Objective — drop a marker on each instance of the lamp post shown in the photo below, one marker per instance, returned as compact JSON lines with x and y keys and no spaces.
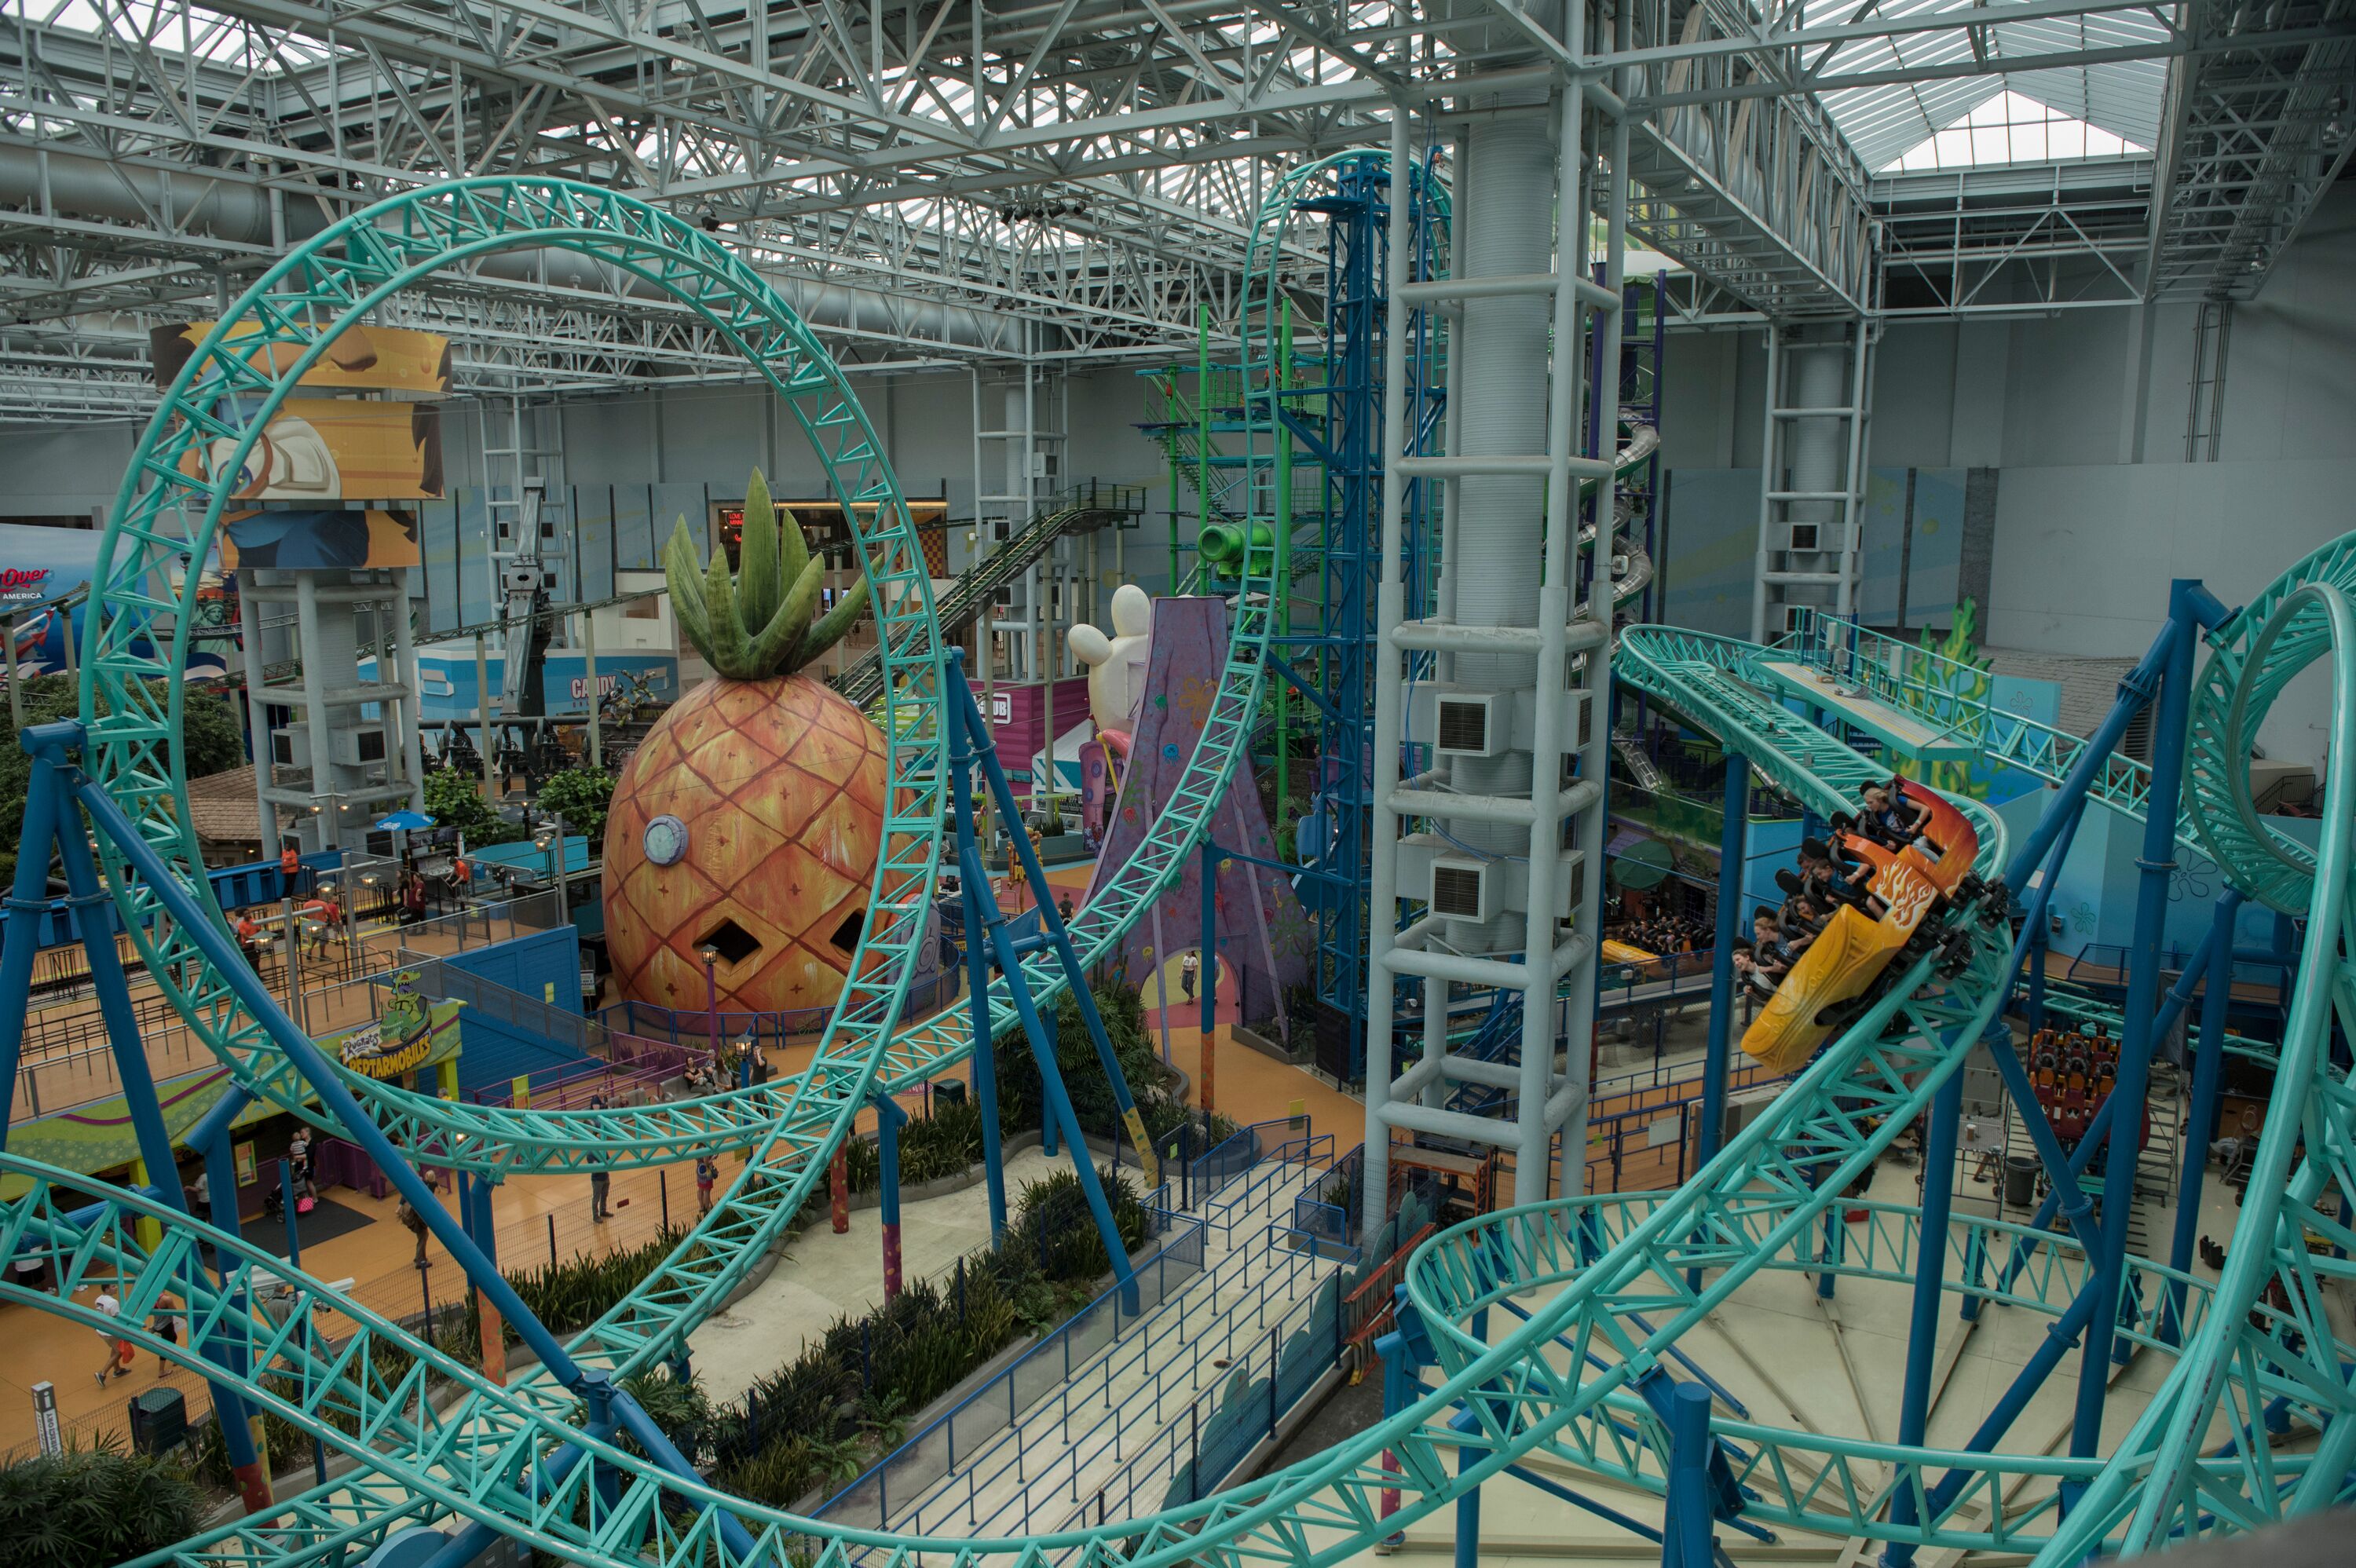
{"x":711,"y":1002}
{"x":550,"y":839}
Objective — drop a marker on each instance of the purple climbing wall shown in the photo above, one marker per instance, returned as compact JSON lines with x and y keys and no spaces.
{"x":1263,"y":933}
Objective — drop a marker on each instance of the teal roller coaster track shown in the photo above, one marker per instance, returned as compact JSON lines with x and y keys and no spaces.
{"x":1573,"y":1375}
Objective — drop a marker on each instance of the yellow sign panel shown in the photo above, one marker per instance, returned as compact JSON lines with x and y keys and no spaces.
{"x":362,"y":358}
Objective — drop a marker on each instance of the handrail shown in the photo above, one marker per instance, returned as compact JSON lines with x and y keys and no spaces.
{"x":1107,"y":1432}
{"x":1910,"y":678}
{"x":863,"y":681}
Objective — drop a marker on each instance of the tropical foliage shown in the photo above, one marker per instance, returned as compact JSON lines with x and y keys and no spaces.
{"x":211,"y":737}
{"x":93,"y":1505}
{"x":455,"y":799}
{"x":580,"y":796}
{"x":819,"y":1421}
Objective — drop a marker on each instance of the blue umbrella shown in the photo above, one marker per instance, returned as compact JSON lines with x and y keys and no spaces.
{"x":406,"y":821}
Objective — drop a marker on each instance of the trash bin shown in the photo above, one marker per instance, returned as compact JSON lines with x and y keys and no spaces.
{"x":949,"y":1091}
{"x":2019,"y":1181}
{"x":160,"y":1420}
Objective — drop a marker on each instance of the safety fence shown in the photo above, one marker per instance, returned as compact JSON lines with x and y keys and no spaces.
{"x":1044,"y":1460}
{"x":1223,"y":1182}
{"x":1329,"y":1221}
{"x":1189,"y":1455}
{"x":935,"y":1448}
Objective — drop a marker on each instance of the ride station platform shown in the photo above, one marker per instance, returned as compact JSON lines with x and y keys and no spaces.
{"x":1902,"y":732}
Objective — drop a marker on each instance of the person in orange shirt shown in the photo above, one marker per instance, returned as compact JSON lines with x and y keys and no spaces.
{"x":249,"y":937}
{"x":294,"y":876}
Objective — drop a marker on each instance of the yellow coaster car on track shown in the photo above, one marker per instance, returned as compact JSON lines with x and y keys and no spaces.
{"x":1837,"y":979}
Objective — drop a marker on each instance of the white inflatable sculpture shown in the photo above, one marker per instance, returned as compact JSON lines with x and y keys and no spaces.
{"x":1116,"y":664}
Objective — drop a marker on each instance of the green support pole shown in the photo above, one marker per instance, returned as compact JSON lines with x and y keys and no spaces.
{"x":1202,"y":424}
{"x":1280,"y":379}
{"x":1172,"y":408}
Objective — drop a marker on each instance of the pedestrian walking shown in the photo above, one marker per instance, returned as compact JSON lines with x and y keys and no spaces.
{"x":1188,"y":968}
{"x":414,"y":1223}
{"x":164,"y":1324}
{"x":118,"y":1349}
{"x":707,"y":1174}
{"x":298,"y":1162}
{"x":600,"y":1186}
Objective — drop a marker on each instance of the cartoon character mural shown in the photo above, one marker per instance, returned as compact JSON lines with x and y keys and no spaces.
{"x":329,"y":450}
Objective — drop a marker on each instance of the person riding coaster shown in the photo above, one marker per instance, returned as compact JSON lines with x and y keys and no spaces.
{"x":1917,"y":888}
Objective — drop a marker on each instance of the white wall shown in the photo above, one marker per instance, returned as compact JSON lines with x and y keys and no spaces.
{"x":2096,"y":507}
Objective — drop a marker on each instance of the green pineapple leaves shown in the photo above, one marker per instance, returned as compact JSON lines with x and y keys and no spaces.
{"x":759,"y":584}
{"x":756,"y":621}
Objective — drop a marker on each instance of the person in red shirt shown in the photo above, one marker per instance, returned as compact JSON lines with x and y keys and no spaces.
{"x":329,"y":916}
{"x":249,"y":937}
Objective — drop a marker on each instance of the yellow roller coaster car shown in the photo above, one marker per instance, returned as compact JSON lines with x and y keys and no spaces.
{"x":1837,"y":978}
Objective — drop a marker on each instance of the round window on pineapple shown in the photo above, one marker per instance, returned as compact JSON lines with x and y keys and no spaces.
{"x":666,"y":840}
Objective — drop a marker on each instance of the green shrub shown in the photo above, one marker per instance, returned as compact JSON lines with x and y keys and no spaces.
{"x":94,"y":1505}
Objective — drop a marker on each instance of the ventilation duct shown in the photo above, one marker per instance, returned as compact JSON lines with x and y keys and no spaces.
{"x":83,"y":187}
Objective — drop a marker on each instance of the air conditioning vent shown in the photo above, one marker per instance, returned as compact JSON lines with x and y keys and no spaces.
{"x":371,"y":745}
{"x":282,"y":748}
{"x":1465,"y":726}
{"x":1459,"y":889}
{"x":1791,"y":616}
{"x":1803,"y":537}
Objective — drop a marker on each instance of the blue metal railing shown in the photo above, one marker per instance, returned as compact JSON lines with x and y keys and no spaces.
{"x":1193,"y":1452}
{"x":1257,"y":1276}
{"x":935,"y":1449}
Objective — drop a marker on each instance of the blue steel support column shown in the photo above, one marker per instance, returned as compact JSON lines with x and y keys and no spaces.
{"x":2128,"y":1098}
{"x":1209,"y":977}
{"x":977,"y":962}
{"x":888,"y":1117}
{"x":1930,"y":1279}
{"x":1733,"y":853}
{"x":475,"y":1214}
{"x":2098,"y":1130}
{"x":971,"y":872}
{"x":1468,"y":1501}
{"x":1053,"y":934}
{"x":2040,"y":942}
{"x":2208,"y":1067}
{"x":1733,"y":845}
{"x":29,"y":902}
{"x":336,"y":1103}
{"x":247,"y":1463}
{"x":92,"y":910}
{"x":1688,"y":1542}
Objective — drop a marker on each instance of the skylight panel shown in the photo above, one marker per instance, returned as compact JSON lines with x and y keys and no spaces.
{"x":2010,"y":128}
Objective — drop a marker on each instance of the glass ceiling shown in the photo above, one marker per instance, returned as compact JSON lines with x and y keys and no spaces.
{"x":1887,"y":124}
{"x":2010,"y":129}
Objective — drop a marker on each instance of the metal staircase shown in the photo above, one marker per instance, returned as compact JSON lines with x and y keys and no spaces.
{"x":1176,"y":428}
{"x":1079,"y":510}
{"x":1638,"y":761}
